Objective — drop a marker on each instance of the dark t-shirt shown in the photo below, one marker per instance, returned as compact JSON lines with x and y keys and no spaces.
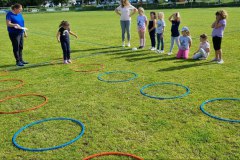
{"x":64,"y":33}
{"x":174,"y":29}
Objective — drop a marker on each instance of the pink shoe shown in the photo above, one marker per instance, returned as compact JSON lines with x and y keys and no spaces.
{"x":65,"y":62}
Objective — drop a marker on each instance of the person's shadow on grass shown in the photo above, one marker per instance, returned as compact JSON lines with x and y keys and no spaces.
{"x":185,"y":66}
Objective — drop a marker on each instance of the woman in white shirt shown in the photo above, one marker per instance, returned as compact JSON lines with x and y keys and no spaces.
{"x":125,"y":10}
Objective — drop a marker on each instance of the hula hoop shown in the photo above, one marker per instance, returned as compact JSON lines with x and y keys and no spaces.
{"x":112,"y":153}
{"x":135,"y":75}
{"x":51,"y":148}
{"x":24,"y":110}
{"x":17,"y":86}
{"x":216,"y":117}
{"x":89,"y":71}
{"x":164,"y":83}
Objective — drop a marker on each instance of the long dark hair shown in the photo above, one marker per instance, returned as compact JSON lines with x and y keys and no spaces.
{"x":63,"y":23}
{"x":16,"y":6}
{"x":154,"y":14}
{"x":124,"y":3}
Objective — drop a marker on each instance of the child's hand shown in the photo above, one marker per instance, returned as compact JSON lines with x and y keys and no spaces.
{"x":76,"y":36}
{"x":25,"y":35}
{"x":58,"y":40}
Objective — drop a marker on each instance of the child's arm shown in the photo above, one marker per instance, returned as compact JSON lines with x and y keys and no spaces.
{"x":58,"y":36}
{"x":73,"y":34}
{"x":145,"y":21}
{"x":163,"y":29}
{"x":216,"y":24}
{"x":116,"y":11}
{"x":133,"y":12}
{"x":190,"y":42}
{"x":170,"y":18}
{"x":154,"y":26}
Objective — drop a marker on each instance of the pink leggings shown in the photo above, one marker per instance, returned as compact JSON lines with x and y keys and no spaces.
{"x":183,"y":54}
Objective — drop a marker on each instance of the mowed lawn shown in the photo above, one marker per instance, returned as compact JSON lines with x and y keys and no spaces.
{"x":116,"y":116}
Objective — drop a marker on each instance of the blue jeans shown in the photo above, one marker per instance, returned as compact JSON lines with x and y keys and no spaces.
{"x":125,"y":25}
{"x":160,"y":41}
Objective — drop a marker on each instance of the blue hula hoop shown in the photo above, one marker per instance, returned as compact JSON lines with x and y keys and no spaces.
{"x":51,"y":148}
{"x":216,"y":117}
{"x":164,"y":83}
{"x":135,"y":75}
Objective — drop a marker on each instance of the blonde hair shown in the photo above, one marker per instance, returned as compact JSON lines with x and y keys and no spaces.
{"x":161,"y":14}
{"x":222,"y":13}
{"x":141,"y":9}
{"x":124,"y":3}
{"x":176,"y":16}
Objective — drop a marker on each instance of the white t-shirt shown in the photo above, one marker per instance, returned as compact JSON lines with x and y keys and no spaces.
{"x":204,"y":45}
{"x":125,"y":12}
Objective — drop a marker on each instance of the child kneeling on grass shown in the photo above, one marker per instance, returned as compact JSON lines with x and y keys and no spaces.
{"x":185,"y":43}
{"x":63,"y":37}
{"x":204,"y":48}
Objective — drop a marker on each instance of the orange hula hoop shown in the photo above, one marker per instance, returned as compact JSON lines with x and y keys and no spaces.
{"x":17,"y":86}
{"x":24,"y":110}
{"x":89,"y":71}
{"x":113,"y":153}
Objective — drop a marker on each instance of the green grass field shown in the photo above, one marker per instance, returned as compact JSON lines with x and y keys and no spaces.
{"x":116,"y":116}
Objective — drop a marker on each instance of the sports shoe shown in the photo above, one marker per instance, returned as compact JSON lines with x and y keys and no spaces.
{"x":169,"y":53}
{"x":220,"y":61}
{"x":153,"y":49}
{"x":140,"y":47}
{"x":161,"y":51}
{"x":20,"y":64}
{"x":23,"y":62}
{"x":123,"y":44}
{"x":129,"y":45}
{"x":214,"y":59}
{"x":69,"y":61}
{"x":65,"y":62}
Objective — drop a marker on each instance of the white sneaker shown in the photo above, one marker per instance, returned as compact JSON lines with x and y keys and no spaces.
{"x":65,"y":62}
{"x":153,"y":49}
{"x":69,"y":61}
{"x":123,"y":44}
{"x":161,"y":51}
{"x":169,"y":53}
{"x":220,"y":61}
{"x":129,"y":45}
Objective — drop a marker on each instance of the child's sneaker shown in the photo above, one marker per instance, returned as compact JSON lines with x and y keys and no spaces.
{"x":169,"y":53}
{"x":65,"y":62}
{"x":161,"y":51}
{"x":123,"y":44}
{"x":69,"y":61}
{"x":220,"y":61}
{"x":153,"y":49}
{"x":129,"y":45}
{"x":140,"y":47}
{"x":214,"y":59}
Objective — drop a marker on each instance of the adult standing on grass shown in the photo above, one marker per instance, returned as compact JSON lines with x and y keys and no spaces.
{"x":15,"y":26}
{"x":218,"y":28}
{"x":125,"y":10}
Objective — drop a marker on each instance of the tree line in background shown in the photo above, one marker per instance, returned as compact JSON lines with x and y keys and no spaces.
{"x":4,"y":3}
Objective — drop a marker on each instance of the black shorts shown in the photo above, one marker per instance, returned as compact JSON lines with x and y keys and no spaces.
{"x":217,"y":43}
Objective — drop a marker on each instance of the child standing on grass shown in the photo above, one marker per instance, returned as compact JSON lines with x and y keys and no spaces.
{"x":218,"y":28}
{"x":185,"y":43}
{"x":160,"y":30}
{"x":175,"y":20}
{"x":152,"y":30}
{"x":204,"y":48}
{"x":63,"y":37}
{"x":142,"y":23}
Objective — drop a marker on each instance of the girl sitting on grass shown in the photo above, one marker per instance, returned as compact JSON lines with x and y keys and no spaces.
{"x":204,"y":48}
